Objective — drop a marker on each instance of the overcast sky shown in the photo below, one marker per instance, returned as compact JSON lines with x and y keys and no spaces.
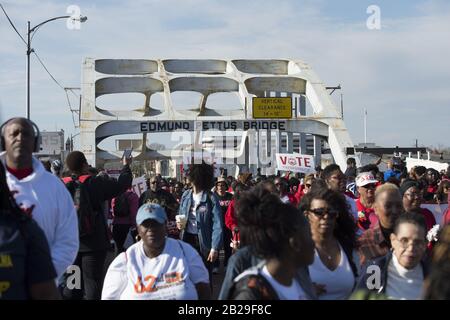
{"x":400,"y":73}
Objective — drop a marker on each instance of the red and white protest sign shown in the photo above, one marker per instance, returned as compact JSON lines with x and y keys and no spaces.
{"x":139,"y":185}
{"x":295,"y":163}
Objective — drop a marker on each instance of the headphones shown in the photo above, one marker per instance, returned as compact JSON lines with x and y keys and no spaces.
{"x":37,"y":134}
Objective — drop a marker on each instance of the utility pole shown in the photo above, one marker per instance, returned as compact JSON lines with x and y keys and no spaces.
{"x":30,"y":34}
{"x":365,"y":125}
{"x":29,"y":50}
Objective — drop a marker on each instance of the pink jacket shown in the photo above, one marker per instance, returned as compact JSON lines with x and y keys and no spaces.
{"x":133,"y":203}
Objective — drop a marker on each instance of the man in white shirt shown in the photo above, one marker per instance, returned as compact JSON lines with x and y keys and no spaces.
{"x":39,"y":193}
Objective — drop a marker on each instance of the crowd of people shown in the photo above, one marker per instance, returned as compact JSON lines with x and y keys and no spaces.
{"x":332,"y":235}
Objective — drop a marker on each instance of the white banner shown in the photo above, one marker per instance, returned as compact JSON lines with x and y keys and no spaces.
{"x":411,"y":162}
{"x":139,"y":185}
{"x":295,"y":163}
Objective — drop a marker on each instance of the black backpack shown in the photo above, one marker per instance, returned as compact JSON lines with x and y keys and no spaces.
{"x":121,"y":206}
{"x":80,"y":195}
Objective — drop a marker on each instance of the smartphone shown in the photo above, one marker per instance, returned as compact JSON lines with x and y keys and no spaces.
{"x":127,"y":153}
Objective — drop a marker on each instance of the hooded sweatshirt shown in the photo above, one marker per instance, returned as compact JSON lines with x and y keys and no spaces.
{"x":44,"y":197}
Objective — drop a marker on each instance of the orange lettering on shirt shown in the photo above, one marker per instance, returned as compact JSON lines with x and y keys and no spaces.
{"x":149,"y":286}
{"x":138,"y":287}
{"x":172,"y":277}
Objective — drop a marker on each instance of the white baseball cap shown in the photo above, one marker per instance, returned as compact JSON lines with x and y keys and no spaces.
{"x":365,"y":178}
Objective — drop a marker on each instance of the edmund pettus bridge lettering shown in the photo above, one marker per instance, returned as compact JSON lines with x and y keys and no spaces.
{"x":166,"y":126}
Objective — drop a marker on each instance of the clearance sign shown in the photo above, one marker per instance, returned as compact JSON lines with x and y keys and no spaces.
{"x":272,"y":108}
{"x":295,"y":163}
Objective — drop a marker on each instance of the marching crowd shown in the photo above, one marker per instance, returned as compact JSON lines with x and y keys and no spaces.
{"x":331,"y":235}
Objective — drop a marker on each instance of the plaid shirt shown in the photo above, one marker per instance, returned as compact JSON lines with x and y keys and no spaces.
{"x":372,"y":244}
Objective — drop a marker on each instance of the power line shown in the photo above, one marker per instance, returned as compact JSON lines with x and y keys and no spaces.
{"x":65,"y":89}
{"x":12,"y":24}
{"x":43,"y":65}
{"x":72,"y":111}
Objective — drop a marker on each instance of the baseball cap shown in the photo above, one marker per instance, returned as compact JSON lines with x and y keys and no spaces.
{"x":221,"y":179}
{"x":151,"y":211}
{"x":56,"y":167}
{"x":365,"y":178}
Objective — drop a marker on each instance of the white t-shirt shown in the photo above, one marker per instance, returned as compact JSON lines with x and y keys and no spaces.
{"x":404,"y":284}
{"x":292,"y":292}
{"x":170,"y":276}
{"x":191,"y":225}
{"x":46,"y":199}
{"x":339,"y":282}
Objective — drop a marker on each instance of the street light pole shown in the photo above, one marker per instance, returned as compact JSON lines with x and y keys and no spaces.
{"x":30,"y":50}
{"x":28,"y":70}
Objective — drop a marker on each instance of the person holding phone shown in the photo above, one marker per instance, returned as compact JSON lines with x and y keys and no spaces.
{"x":93,"y":247}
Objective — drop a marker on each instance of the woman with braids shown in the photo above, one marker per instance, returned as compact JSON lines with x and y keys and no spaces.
{"x":279,"y":234}
{"x":334,"y":270}
{"x":26,"y":268}
{"x":201,"y":207}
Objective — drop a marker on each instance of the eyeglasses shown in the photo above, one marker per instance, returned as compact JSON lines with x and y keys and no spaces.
{"x":405,"y":243}
{"x":320,"y":212}
{"x":370,"y":186}
{"x":307,"y":185}
{"x":154,"y":182}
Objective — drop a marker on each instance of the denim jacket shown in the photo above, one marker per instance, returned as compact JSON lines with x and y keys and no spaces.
{"x":209,"y":221}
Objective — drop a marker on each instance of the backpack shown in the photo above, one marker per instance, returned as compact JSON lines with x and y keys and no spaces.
{"x":252,"y":285}
{"x":121,"y":206}
{"x":80,"y":195}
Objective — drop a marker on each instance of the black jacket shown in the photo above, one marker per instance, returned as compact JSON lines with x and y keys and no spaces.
{"x":103,"y":188}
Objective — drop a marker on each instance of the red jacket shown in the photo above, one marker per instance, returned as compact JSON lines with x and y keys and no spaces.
{"x":300,"y":193}
{"x":429,"y":218}
{"x":231,"y":221}
{"x":293,"y":200}
{"x":446,"y":216}
{"x":366,"y":216}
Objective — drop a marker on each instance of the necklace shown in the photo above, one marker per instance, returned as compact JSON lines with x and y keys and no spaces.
{"x":328,"y":256}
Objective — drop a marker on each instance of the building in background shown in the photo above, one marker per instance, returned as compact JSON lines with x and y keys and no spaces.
{"x":52,"y":146}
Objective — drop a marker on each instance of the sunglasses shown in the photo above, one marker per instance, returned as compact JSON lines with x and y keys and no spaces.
{"x":307,"y":185}
{"x":370,"y":186}
{"x":320,"y":212}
